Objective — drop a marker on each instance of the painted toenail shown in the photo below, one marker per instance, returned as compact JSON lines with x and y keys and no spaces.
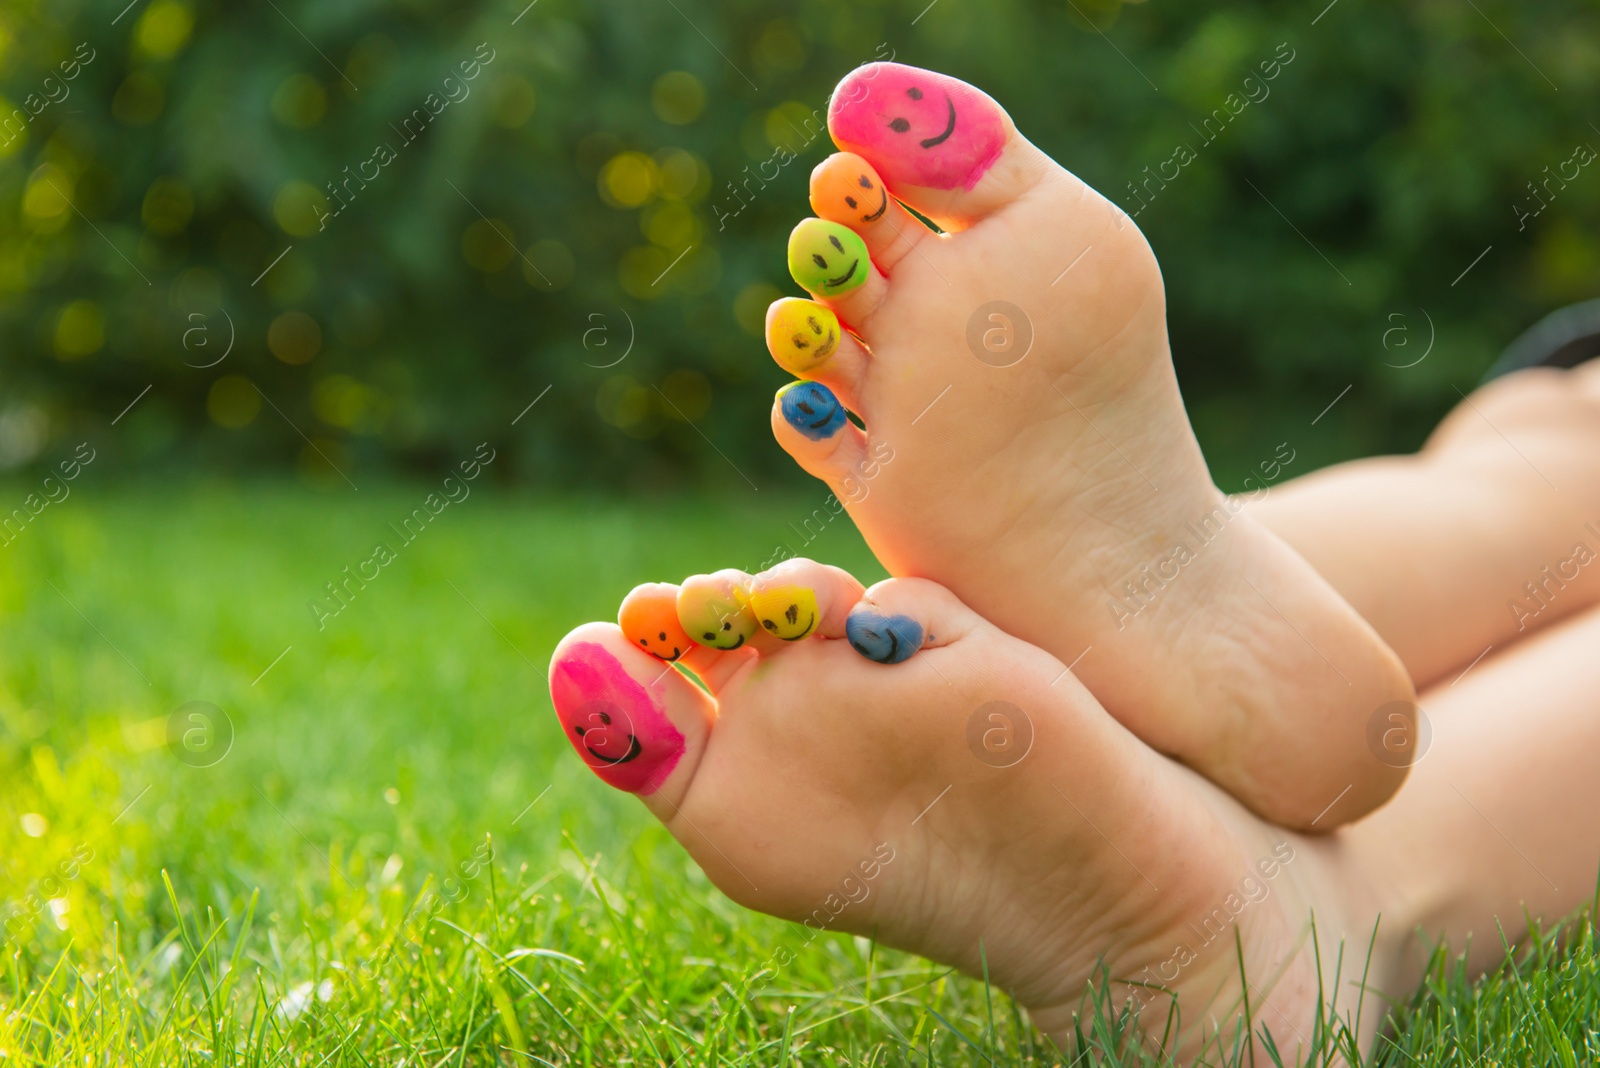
{"x":649,"y":619}
{"x":826,"y":258}
{"x":721,"y":618}
{"x":787,"y":612}
{"x":812,"y":409}
{"x":847,"y":179}
{"x":802,"y":334}
{"x":920,"y":127}
{"x":884,"y":639}
{"x":617,"y":726}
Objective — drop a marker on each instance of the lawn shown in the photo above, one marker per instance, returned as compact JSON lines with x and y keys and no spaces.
{"x":368,"y":843}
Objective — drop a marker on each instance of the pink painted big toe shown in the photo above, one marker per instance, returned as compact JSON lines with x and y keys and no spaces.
{"x":618,"y":726}
{"x":918,"y":127}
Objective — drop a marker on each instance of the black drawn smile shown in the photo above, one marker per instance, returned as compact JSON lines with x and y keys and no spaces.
{"x":885,"y":205}
{"x":835,"y":283}
{"x":948,"y":130}
{"x":634,"y":749}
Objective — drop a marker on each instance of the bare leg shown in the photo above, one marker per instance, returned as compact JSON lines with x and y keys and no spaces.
{"x":1501,"y":814}
{"x":1474,"y":542}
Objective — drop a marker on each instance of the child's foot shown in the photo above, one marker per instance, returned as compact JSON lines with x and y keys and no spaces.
{"x":969,"y":804}
{"x":1026,"y":445}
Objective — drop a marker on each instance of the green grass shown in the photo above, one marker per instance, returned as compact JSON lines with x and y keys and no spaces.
{"x":398,"y":860}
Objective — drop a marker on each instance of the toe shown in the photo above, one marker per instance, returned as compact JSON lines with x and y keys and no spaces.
{"x":649,"y":619}
{"x":944,"y":147}
{"x":810,"y":424}
{"x":831,"y":263}
{"x":637,"y":724}
{"x":807,"y":340}
{"x":897,"y":617}
{"x":713,"y":612}
{"x":846,"y":189}
{"x":801,"y":598}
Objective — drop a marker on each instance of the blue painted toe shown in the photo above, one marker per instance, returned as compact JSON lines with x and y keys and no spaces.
{"x":884,"y":639}
{"x":812,"y":409}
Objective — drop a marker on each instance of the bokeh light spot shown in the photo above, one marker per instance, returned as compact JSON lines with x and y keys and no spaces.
{"x":628,"y":180}
{"x":750,"y":307}
{"x":299,"y":208}
{"x":511,"y":101}
{"x":168,"y":206}
{"x":623,"y":402}
{"x":233,"y":402}
{"x":299,"y":101}
{"x":489,"y":244}
{"x":48,"y":194}
{"x":670,"y":224}
{"x":139,"y":100}
{"x":80,"y":330}
{"x":640,"y":272}
{"x":688,"y":394}
{"x":678,"y":97}
{"x":163,"y":29}
{"x":294,"y":337}
{"x":339,"y":400}
{"x":683,"y":175}
{"x":549,"y":265}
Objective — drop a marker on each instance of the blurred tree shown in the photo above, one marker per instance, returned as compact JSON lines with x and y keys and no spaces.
{"x":362,"y":237}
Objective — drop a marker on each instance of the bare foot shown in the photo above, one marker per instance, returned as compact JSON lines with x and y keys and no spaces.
{"x":973,"y":804}
{"x":1016,"y":368}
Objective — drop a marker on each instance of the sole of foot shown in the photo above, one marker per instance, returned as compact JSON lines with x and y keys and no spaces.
{"x":887,"y":763}
{"x":1026,"y":445}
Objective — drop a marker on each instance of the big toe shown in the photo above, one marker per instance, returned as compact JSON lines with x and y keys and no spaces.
{"x":637,"y":723}
{"x":942,"y":146}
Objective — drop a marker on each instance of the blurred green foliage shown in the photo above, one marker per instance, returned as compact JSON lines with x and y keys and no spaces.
{"x":574,"y":193}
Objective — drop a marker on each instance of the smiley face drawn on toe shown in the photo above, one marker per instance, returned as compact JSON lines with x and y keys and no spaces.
{"x":918,"y":127}
{"x":631,"y":751}
{"x":900,"y":124}
{"x":883,"y":639}
{"x":716,"y":618}
{"x":838,"y":283}
{"x":787,"y":612}
{"x":823,"y":350}
{"x":617,"y":724}
{"x":827,"y":258}
{"x":649,"y":619}
{"x":812,"y":409}
{"x":802,"y":334}
{"x":883,"y":202}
